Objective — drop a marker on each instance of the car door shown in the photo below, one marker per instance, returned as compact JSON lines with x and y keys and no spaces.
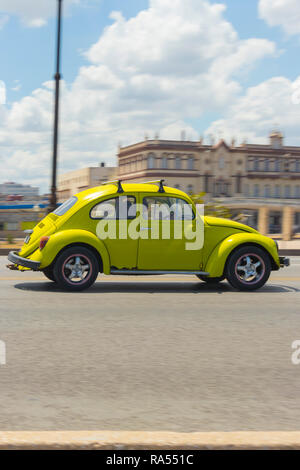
{"x":168,"y":225}
{"x":111,"y":218}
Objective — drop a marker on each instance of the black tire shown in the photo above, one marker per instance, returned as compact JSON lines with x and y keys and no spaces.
{"x":76,"y":261}
{"x":48,"y":272}
{"x":245,"y":261}
{"x":211,"y":280}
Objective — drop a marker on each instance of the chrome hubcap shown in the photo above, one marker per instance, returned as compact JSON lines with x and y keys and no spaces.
{"x":250,"y":268}
{"x":76,"y":268}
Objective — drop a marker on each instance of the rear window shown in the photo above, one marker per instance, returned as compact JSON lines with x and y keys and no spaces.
{"x":61,"y":210}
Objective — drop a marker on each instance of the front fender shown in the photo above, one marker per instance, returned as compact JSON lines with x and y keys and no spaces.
{"x":216,"y":262}
{"x":60,"y":240}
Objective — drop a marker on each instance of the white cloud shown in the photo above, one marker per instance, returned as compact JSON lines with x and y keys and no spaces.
{"x":2,"y":93}
{"x":3,"y":20}
{"x":34,"y":13}
{"x":284,"y":13}
{"x":271,"y":104}
{"x":146,"y":74}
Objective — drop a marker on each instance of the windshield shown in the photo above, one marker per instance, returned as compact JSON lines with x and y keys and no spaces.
{"x":61,"y":210}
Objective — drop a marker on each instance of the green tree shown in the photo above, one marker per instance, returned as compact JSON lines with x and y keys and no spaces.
{"x":213,"y":207}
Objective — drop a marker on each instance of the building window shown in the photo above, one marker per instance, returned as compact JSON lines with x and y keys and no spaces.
{"x":298,"y":165}
{"x":267,"y":165}
{"x":256,"y":190}
{"x":246,"y":190}
{"x":297,"y":191}
{"x":287,"y":192}
{"x":277,"y":165}
{"x":221,"y":163}
{"x":164,"y":162}
{"x":151,"y":160}
{"x":267,"y":191}
{"x":178,"y":163}
{"x":190,"y":189}
{"x":277,"y":190}
{"x":190,"y":163}
{"x":256,"y":165}
{"x":177,"y":186}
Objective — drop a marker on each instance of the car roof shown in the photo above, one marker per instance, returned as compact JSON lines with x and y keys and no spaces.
{"x":112,"y":189}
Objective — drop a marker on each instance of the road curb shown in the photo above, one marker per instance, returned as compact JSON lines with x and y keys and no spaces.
{"x":135,"y":440}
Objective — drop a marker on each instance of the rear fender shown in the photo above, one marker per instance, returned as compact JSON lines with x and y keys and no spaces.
{"x":60,"y":240}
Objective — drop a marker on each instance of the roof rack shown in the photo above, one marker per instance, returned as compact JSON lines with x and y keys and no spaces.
{"x":160,"y":182}
{"x":118,"y":182}
{"x":121,"y":190}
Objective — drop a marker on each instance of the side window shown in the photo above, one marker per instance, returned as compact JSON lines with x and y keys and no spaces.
{"x":122,"y":207}
{"x":166,"y":208}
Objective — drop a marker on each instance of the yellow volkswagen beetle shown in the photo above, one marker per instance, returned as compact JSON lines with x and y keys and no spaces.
{"x":120,"y":228}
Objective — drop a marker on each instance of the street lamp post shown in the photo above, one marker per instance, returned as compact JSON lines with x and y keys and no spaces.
{"x":53,"y":198}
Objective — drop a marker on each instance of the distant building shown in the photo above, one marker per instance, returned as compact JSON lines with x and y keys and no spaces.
{"x":78,"y":180}
{"x":261,"y":181}
{"x":16,"y":189}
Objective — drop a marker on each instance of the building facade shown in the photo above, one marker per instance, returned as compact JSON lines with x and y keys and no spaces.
{"x":260,"y":181}
{"x":78,"y":180}
{"x":12,"y":189}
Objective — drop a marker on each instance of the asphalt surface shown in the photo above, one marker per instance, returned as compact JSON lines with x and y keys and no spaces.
{"x":149,"y":353}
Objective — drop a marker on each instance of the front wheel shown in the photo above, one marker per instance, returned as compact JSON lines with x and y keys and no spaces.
{"x":76,"y":268}
{"x":248,"y":268}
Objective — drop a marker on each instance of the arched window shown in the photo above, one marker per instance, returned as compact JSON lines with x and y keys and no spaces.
{"x":177,"y":163}
{"x":164,"y":162}
{"x":151,"y":160}
{"x":190,"y":163}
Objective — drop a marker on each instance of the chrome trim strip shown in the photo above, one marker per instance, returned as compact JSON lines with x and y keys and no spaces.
{"x":138,"y":271}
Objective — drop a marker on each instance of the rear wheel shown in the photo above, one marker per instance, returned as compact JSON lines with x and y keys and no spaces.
{"x":76,"y":268}
{"x":48,"y":272}
{"x":211,"y":280}
{"x":248,"y":268}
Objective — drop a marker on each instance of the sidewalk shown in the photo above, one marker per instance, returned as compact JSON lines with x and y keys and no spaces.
{"x":160,"y":440}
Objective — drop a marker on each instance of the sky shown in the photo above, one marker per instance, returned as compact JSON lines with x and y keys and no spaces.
{"x":227,"y":69}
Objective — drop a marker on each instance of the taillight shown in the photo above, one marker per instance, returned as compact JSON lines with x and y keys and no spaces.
{"x":43,"y":242}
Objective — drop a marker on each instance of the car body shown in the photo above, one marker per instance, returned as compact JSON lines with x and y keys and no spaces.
{"x":68,"y":241}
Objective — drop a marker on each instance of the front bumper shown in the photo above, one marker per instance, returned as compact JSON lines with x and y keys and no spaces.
{"x":284,"y":261}
{"x":27,"y":263}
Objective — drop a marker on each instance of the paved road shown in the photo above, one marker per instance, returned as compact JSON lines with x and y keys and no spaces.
{"x":150,"y":353}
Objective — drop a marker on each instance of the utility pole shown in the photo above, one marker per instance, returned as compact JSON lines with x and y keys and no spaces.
{"x":53,"y":198}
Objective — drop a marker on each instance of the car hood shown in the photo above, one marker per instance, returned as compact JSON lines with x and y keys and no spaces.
{"x":218,"y":222}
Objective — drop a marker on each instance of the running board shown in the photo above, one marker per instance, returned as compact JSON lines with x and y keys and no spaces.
{"x":138,"y":271}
